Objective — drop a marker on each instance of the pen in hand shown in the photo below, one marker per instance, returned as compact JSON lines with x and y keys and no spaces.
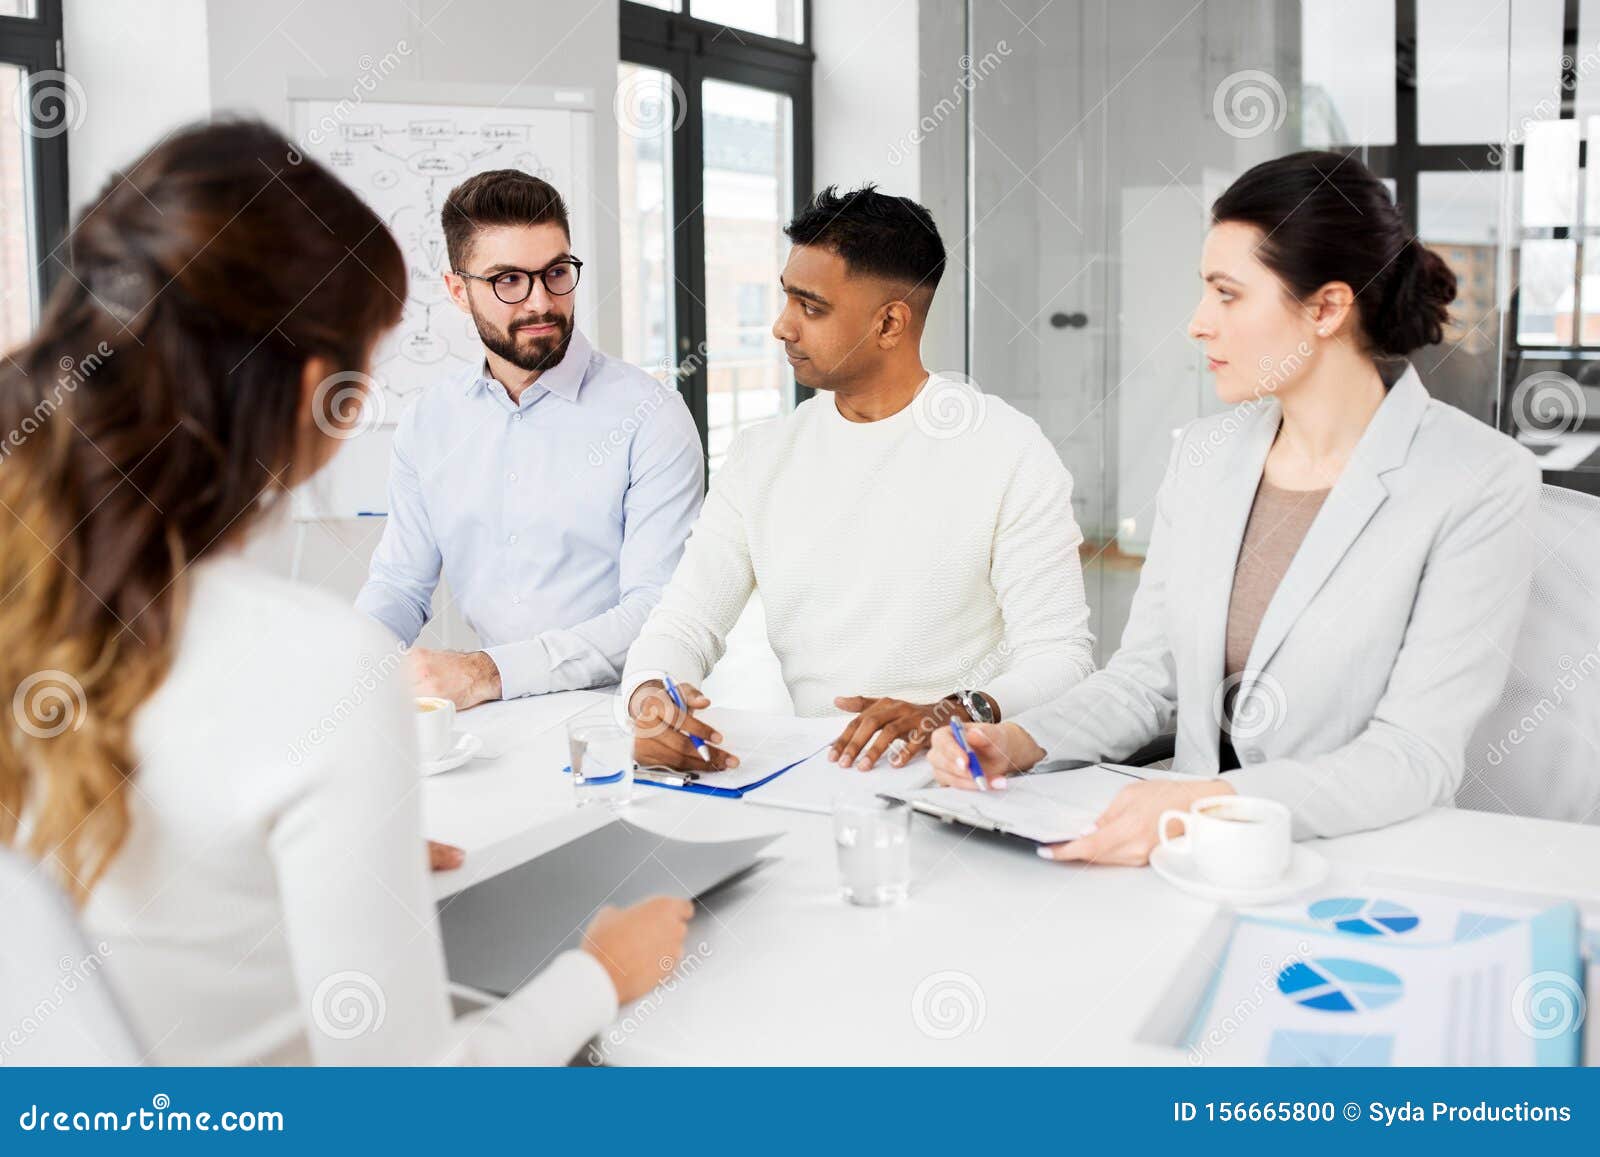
{"x":677,"y":699}
{"x":972,"y":757}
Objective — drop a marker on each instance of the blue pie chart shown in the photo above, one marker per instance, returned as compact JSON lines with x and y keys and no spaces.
{"x":1337,"y":984}
{"x":1363,"y":917}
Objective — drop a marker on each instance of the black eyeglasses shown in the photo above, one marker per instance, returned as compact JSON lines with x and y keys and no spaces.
{"x":513,"y":286}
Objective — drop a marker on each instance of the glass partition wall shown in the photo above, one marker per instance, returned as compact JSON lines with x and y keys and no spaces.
{"x":1099,"y":132}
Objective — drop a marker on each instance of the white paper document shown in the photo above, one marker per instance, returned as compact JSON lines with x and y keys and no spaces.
{"x":765,"y":744}
{"x":815,"y":784}
{"x":1314,"y":992}
{"x":1049,"y":809}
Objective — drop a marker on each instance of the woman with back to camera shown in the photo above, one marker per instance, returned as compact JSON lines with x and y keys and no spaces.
{"x":256,"y":871}
{"x":1337,"y":564}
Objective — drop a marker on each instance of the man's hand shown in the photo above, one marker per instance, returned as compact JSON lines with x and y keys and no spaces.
{"x":1126,"y":831}
{"x":913,"y":724}
{"x":661,"y":730}
{"x":466,"y":678}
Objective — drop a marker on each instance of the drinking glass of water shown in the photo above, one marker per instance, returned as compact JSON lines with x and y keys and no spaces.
{"x":873,"y":836}
{"x":602,"y":761}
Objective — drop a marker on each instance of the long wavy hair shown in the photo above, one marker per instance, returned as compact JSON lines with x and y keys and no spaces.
{"x":156,"y":415}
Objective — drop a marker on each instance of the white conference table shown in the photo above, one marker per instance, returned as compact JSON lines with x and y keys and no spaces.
{"x":997,"y":958}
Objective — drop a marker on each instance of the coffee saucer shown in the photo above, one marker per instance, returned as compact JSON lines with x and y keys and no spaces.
{"x":467,"y":745}
{"x":1176,"y":866}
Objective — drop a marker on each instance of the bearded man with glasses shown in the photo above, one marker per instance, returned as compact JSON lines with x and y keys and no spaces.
{"x":553,"y":486}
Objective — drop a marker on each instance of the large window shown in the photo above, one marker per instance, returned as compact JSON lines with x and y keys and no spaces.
{"x":39,"y":104}
{"x":715,"y":155}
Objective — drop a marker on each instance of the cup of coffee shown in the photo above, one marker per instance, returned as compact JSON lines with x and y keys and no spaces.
{"x":1236,"y":841}
{"x":436,"y":721}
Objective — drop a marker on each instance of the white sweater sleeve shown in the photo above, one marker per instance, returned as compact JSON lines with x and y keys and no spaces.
{"x":359,"y":918}
{"x":1038,"y":580}
{"x":1134,"y":698}
{"x":688,"y":630}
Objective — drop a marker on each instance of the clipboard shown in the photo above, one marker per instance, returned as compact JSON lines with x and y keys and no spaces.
{"x":1051,"y":806}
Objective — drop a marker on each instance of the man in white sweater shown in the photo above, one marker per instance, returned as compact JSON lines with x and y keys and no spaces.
{"x":912,"y":538}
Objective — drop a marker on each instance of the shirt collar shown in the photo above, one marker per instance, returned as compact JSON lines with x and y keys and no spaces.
{"x":564,"y":379}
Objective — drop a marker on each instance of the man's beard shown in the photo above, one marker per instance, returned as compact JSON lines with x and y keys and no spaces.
{"x":532,"y":354}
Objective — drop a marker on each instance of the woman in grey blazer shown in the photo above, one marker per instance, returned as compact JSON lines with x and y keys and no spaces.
{"x":1338,"y":563}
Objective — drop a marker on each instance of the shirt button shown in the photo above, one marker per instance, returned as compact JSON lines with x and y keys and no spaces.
{"x":517,"y":417}
{"x":511,"y":538}
{"x":512,"y":477}
{"x":516,"y":600}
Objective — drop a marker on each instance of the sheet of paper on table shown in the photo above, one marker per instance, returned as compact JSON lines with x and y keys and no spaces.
{"x":765,"y":744}
{"x":816,"y":783}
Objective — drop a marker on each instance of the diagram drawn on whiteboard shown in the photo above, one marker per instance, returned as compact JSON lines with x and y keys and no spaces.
{"x":403,"y":159}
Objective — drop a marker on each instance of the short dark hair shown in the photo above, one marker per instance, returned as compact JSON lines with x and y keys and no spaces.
{"x":1327,"y":217}
{"x":497,"y":197}
{"x":875,"y":233}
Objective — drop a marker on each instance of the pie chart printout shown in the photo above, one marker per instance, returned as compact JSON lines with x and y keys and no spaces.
{"x":1362,"y":917}
{"x":1338,"y":984}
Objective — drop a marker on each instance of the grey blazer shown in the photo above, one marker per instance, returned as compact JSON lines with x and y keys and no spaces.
{"x":1386,"y":642}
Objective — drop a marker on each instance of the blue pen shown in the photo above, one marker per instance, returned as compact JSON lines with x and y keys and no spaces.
{"x":699,"y":744}
{"x":972,"y":757}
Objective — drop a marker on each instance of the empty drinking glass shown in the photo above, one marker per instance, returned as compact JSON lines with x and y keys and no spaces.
{"x":873,"y":836}
{"x":602,"y":761}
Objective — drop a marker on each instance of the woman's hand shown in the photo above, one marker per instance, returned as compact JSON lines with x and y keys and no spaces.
{"x":444,"y":857}
{"x":1002,"y":749}
{"x":639,"y":946}
{"x":1126,"y":830}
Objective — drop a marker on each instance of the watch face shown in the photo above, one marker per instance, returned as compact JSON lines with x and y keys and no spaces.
{"x":977,"y":707}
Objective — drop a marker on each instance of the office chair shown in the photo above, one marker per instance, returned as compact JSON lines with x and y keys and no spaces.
{"x":56,"y":1007}
{"x":1538,"y":752}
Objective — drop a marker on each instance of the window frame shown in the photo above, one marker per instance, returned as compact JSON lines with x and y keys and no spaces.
{"x":691,"y":50}
{"x":34,"y":43}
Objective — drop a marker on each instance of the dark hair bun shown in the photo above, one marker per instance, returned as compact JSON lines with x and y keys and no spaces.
{"x":1325,"y":217}
{"x":1416,"y":304}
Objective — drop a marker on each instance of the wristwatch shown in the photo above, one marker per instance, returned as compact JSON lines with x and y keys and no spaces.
{"x":978,"y":706}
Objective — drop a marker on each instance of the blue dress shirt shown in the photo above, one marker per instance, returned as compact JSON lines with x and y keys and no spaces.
{"x":556,"y":520}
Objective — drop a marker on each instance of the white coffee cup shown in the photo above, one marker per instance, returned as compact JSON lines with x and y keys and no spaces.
{"x":436,"y":721}
{"x":1236,"y":841}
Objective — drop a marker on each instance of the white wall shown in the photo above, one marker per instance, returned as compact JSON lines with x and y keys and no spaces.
{"x":142,"y":78}
{"x":865,"y":97}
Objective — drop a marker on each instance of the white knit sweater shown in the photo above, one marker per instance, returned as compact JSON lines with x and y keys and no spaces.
{"x":933,"y":550}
